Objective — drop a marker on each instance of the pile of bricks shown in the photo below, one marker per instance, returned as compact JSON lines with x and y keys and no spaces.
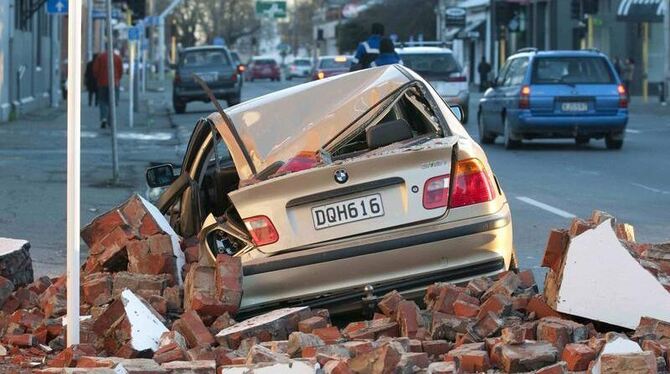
{"x":151,"y":304}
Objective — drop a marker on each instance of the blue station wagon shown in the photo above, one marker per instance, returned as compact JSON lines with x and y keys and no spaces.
{"x":555,"y":94}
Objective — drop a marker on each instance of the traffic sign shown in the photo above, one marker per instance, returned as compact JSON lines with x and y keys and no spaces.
{"x":134,"y":33}
{"x":57,"y":6}
{"x":271,"y":8}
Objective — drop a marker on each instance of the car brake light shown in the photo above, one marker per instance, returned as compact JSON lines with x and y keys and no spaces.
{"x":320,"y":75}
{"x":623,"y":98}
{"x":234,"y":77}
{"x":524,"y":98}
{"x":470,"y":184}
{"x":262,"y":230}
{"x":301,"y":161}
{"x":241,"y":69}
{"x":436,"y":192}
{"x":460,"y":78}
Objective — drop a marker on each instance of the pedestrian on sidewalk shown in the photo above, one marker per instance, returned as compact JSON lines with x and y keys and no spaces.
{"x":368,"y":50}
{"x":90,"y":82}
{"x":628,"y":71}
{"x":484,"y":68}
{"x":102,"y":81}
{"x":387,"y":54}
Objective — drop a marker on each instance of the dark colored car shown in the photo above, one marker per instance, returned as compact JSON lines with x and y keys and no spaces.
{"x":264,"y":68}
{"x":213,"y":65}
{"x":555,"y":94}
{"x":330,"y":66}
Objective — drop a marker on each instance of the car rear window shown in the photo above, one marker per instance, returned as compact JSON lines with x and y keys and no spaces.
{"x":302,"y":62}
{"x":205,"y":58}
{"x":335,"y":63}
{"x":571,"y":70}
{"x":265,"y":62}
{"x":435,"y":63}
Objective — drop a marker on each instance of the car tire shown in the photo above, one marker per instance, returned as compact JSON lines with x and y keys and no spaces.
{"x":582,"y":140}
{"x":612,"y":142}
{"x":509,"y":141}
{"x":485,"y":137}
{"x":466,"y":115}
{"x":179,"y":106}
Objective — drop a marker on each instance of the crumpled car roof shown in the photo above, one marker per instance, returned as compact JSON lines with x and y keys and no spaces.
{"x":303,"y":118}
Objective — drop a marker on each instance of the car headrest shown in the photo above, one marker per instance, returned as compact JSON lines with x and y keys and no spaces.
{"x":385,"y":133}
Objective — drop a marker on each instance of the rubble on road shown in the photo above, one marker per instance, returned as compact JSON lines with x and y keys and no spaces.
{"x":151,"y":305}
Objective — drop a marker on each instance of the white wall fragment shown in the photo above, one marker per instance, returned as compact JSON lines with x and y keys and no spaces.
{"x":146,"y":329}
{"x":602,"y":281}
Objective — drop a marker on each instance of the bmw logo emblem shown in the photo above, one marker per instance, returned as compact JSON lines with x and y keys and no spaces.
{"x":341,"y":176}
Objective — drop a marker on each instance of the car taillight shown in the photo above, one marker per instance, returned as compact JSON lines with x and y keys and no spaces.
{"x":241,"y":68}
{"x":262,"y":230}
{"x":320,"y":75}
{"x":234,"y":77}
{"x":470,"y":184}
{"x":623,"y":98}
{"x":460,"y":78}
{"x":436,"y":192}
{"x":524,"y":98}
{"x":301,"y":161}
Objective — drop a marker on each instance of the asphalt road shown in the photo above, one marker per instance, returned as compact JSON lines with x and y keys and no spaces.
{"x":548,"y":182}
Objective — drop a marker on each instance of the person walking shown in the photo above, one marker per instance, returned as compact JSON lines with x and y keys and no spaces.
{"x":102,"y":80}
{"x":617,"y":65}
{"x":368,"y":50}
{"x":387,"y":54}
{"x":628,"y":71}
{"x":484,"y":68}
{"x":90,"y":82}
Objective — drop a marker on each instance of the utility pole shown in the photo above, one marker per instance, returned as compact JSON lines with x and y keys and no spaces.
{"x":161,"y":39}
{"x":89,"y":31}
{"x":666,"y":33}
{"x":55,"y":61}
{"x":112,"y":92}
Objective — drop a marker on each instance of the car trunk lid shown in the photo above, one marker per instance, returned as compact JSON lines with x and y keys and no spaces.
{"x":387,"y":183}
{"x":577,"y":99}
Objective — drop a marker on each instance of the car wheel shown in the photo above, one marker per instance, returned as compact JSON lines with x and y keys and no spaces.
{"x":510,"y":142}
{"x":485,"y":137}
{"x":179,"y":106}
{"x":466,"y":115}
{"x":613,"y":142}
{"x":582,"y":140}
{"x":233,"y":100}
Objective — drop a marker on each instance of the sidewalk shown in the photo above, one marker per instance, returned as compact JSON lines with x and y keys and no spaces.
{"x":33,"y":159}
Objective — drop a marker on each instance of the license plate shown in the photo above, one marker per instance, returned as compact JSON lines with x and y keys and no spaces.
{"x":208,"y":77}
{"x":347,"y":211}
{"x":574,"y":107}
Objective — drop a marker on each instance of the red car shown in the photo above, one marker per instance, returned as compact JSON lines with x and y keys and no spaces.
{"x":264,"y":68}
{"x":329,"y":66}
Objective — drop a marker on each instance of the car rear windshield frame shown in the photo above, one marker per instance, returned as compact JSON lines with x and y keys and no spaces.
{"x":225,"y":62}
{"x":601,"y":71}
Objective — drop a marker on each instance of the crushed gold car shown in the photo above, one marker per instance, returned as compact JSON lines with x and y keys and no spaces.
{"x":361,"y":183}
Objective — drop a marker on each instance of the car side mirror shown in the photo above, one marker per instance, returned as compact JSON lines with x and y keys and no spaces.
{"x":161,"y":175}
{"x":385,"y":133}
{"x":458,"y":111}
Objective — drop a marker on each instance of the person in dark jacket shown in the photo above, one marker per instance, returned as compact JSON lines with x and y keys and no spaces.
{"x":368,"y":50}
{"x":387,"y":54}
{"x":484,"y":68}
{"x":90,"y":83}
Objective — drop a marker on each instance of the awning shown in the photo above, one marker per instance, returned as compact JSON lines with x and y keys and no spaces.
{"x":472,"y":30}
{"x":641,"y":10}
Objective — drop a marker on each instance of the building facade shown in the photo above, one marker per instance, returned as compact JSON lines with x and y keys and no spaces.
{"x":29,"y":58}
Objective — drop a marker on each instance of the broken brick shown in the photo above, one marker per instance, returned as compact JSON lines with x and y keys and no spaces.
{"x":641,"y":362}
{"x":408,"y":318}
{"x":499,"y":304}
{"x":330,"y":335}
{"x":309,"y":324}
{"x":486,"y":326}
{"x":578,"y":356}
{"x":557,"y":244}
{"x":528,"y":356}
{"x":97,"y":288}
{"x":193,"y":329}
{"x":389,"y":303}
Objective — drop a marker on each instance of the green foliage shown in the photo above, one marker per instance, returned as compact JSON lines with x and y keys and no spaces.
{"x":402,"y":17}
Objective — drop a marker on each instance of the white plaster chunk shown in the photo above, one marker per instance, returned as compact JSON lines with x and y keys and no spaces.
{"x":9,"y":245}
{"x":294,"y":367}
{"x":146,"y":329}
{"x":165,"y":226}
{"x":603,"y":282}
{"x":260,"y":320}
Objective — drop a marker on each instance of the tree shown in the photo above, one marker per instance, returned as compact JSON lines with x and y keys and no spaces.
{"x":404,"y":18}
{"x":297,"y":31}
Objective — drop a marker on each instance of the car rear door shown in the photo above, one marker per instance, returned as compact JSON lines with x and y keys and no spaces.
{"x":573,"y":86}
{"x":212,"y":65}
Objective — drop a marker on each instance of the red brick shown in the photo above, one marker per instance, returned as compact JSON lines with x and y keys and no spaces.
{"x":539,"y":306}
{"x":384,"y":359}
{"x":70,"y":356}
{"x":527,"y":356}
{"x":527,"y":279}
{"x":101,"y":226}
{"x":27,"y":319}
{"x":309,"y":324}
{"x":556,"y":334}
{"x":330,"y":335}
{"x":96,"y":362}
{"x":557,"y":244}
{"x":473,"y":362}
{"x":505,"y":285}
{"x":557,"y":368}
{"x":513,"y":335}
{"x":642,"y":362}
{"x":435,"y":348}
{"x":97,"y":288}
{"x":486,"y":325}
{"x":477,"y":287}
{"x":149,"y":226}
{"x":408,"y":318}
{"x":659,"y":349}
{"x":229,"y":282}
{"x":192,"y":254}
{"x":53,"y":299}
{"x":578,"y":226}
{"x":410,"y":361}
{"x":173,"y":296}
{"x":21,"y":340}
{"x":336,"y":367}
{"x":27,"y":299}
{"x":194,"y":331}
{"x":299,"y":341}
{"x":159,"y":303}
{"x":440,"y":297}
{"x":578,"y":356}
{"x":499,"y":304}
{"x":465,"y":309}
{"x":389,"y":303}
{"x":111,"y":250}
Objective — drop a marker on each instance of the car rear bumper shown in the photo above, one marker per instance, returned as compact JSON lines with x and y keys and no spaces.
{"x":407,"y":259}
{"x":199,"y":94}
{"x":568,"y":126}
